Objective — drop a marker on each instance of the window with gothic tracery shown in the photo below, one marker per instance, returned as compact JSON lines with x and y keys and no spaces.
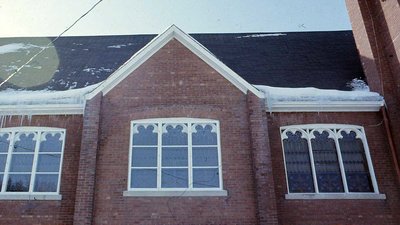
{"x":175,"y":154}
{"x":31,"y":159}
{"x":327,"y":158}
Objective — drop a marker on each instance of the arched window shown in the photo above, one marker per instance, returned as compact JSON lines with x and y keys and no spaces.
{"x":327,"y":159}
{"x":31,"y":160}
{"x":170,"y":154}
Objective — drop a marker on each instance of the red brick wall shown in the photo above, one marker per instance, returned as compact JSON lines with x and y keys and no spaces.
{"x":87,"y":162}
{"x":262,"y":161}
{"x":48,"y":212}
{"x":174,"y":83}
{"x":338,"y":211}
{"x":376,"y":28}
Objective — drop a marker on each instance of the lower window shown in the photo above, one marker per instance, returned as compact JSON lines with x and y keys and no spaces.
{"x":30,"y":160}
{"x":327,"y":158}
{"x":175,"y":154}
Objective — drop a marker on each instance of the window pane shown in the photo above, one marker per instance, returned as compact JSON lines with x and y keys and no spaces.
{"x":52,"y":143}
{"x":25,"y":143}
{"x":204,"y":135}
{"x":18,"y":182}
{"x":21,"y":163}
{"x":144,"y":157}
{"x":48,"y":163}
{"x":46,"y":183}
{"x":1,"y":181}
{"x":205,"y":178}
{"x":174,"y":156}
{"x":3,"y":159}
{"x":4,"y":143}
{"x":175,"y":135}
{"x":298,"y":165}
{"x":206,"y":156}
{"x":174,"y":178}
{"x":143,"y":178}
{"x":355,"y":164}
{"x":145,"y":136}
{"x":326,"y":163}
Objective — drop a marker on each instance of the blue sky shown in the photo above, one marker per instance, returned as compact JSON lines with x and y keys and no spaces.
{"x":51,"y":17}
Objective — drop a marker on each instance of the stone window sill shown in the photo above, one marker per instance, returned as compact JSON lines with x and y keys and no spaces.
{"x":308,"y":196}
{"x":190,"y":193}
{"x":30,"y":197}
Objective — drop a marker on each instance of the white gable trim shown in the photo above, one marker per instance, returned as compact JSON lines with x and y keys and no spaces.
{"x":156,"y":44}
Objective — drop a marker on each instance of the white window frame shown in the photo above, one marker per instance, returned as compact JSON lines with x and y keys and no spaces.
{"x":190,"y":190}
{"x":31,"y":195}
{"x":334,"y":130}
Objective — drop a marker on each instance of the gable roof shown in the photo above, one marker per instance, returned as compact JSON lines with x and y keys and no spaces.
{"x":157,"y":43}
{"x":43,"y":102}
{"x":294,"y":59}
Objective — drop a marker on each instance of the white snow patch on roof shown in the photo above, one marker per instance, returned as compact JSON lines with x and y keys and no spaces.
{"x":93,"y":71}
{"x":277,"y":94}
{"x":43,"y":97}
{"x":16,"y":47}
{"x":116,"y":46}
{"x":261,"y":35}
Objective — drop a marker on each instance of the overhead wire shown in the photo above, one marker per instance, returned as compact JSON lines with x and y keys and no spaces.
{"x":49,"y":44}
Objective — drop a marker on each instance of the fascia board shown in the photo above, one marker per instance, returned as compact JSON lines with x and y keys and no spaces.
{"x":156,"y":44}
{"x":50,"y":109}
{"x":339,"y":106}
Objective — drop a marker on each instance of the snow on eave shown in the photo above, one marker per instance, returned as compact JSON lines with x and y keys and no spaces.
{"x":262,"y":35}
{"x":313,"y":99}
{"x":44,"y":97}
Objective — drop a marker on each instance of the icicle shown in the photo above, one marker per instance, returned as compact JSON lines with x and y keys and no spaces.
{"x":30,"y":118}
{"x":1,"y":121}
{"x":21,"y":117}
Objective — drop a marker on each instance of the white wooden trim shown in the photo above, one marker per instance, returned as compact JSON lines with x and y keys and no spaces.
{"x":47,"y":109}
{"x":157,"y":43}
{"x":175,"y":120}
{"x":333,"y":106}
{"x":30,"y":194}
{"x":340,"y":127}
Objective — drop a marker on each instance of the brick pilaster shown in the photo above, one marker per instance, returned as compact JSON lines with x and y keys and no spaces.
{"x":262,"y":163}
{"x":83,"y":213}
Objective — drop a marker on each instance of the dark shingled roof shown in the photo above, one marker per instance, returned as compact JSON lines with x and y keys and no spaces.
{"x":327,"y":60}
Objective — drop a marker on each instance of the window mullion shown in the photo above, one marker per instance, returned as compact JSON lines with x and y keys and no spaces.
{"x":190,"y":161}
{"x":369,"y":162}
{"x":312,"y":162}
{"x":8,"y":162}
{"x":341,"y":166}
{"x":61,"y":161}
{"x":219,"y":156}
{"x":159,"y":154}
{"x":35,"y":159}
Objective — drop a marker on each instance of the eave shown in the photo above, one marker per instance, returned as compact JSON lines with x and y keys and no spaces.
{"x":329,"y":106}
{"x":45,"y":109}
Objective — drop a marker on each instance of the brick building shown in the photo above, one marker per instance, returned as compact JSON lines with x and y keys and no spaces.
{"x":189,"y":130}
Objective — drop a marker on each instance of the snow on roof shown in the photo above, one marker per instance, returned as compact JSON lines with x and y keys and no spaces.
{"x":43,"y":97}
{"x":261,"y":35}
{"x":16,"y":47}
{"x":277,"y":94}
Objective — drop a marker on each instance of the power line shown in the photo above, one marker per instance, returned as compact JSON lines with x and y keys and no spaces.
{"x":48,"y":45}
